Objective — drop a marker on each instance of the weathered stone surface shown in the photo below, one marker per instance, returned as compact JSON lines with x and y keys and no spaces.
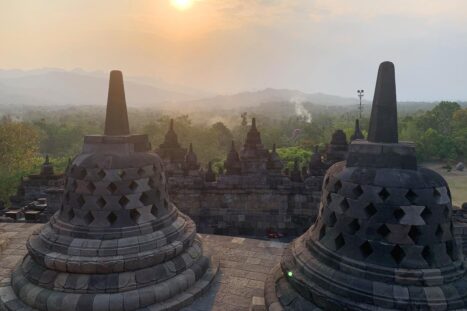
{"x":116,"y":118}
{"x":117,"y":233}
{"x":383,"y":237}
{"x":245,"y":264}
{"x":383,"y":121}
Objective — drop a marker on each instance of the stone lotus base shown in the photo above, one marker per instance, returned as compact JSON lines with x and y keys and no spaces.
{"x":136,"y":299}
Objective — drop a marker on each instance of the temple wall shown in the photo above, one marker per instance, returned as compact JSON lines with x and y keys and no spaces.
{"x":249,"y":211}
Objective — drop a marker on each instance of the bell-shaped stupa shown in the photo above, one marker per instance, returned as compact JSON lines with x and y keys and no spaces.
{"x":117,"y":243}
{"x":383,"y":239}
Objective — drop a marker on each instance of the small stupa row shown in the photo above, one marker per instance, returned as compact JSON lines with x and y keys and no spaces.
{"x":383,"y":238}
{"x":117,"y":243}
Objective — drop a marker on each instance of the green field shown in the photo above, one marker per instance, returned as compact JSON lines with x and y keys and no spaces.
{"x":457,"y":182}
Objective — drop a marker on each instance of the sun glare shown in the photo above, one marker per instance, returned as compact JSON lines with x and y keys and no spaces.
{"x":182,"y":4}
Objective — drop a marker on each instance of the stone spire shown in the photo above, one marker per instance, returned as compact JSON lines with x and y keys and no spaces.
{"x":47,"y":168}
{"x":253,"y":137}
{"x":274,"y":163}
{"x":117,"y":242}
{"x":191,"y":160}
{"x":210,"y":176}
{"x":383,"y":238}
{"x":116,"y":119}
{"x":357,"y":132}
{"x":383,"y":122}
{"x":171,"y":138}
{"x":296,"y":174}
{"x":232,"y":164}
{"x":316,"y":166}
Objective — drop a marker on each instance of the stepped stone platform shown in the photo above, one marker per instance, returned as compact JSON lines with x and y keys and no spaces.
{"x":244,"y":266}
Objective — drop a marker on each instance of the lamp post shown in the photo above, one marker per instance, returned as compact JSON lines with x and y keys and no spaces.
{"x":360,"y":107}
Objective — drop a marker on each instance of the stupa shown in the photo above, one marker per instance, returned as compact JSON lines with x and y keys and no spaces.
{"x":383,"y":239}
{"x":117,"y":243}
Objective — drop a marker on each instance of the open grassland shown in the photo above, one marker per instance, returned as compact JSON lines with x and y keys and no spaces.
{"x":457,"y":182}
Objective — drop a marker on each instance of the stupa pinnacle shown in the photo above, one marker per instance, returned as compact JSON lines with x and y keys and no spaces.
{"x":383,"y":121}
{"x":116,"y":119}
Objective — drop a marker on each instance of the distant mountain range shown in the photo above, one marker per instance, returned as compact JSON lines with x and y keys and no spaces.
{"x":57,"y":87}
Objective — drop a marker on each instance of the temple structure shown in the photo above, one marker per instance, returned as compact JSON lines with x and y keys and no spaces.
{"x":34,"y":186}
{"x":384,"y":236}
{"x":170,"y":151}
{"x":118,"y":242}
{"x":337,"y":149}
{"x":37,"y":197}
{"x":357,"y":132}
{"x":253,"y":196}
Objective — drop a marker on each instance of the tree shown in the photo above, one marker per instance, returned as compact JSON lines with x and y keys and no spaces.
{"x":19,"y":146}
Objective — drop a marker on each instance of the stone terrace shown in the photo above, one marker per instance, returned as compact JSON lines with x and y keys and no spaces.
{"x":244,"y":265}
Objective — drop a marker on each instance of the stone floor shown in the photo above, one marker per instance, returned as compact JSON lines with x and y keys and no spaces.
{"x":244,"y":265}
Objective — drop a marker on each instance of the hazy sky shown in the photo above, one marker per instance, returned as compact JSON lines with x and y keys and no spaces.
{"x":331,"y":46}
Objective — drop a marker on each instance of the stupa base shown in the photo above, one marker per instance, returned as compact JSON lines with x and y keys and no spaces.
{"x":53,"y":301}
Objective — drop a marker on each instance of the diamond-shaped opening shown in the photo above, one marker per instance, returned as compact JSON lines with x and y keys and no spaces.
{"x":135,"y":215}
{"x":426,"y":254}
{"x":88,"y":218}
{"x":154,"y":210}
{"x":383,"y":230}
{"x":112,"y":187}
{"x":332,"y":219}
{"x":414,"y":233}
{"x":144,"y":198}
{"x":366,"y":249}
{"x":101,"y":174}
{"x":399,"y":213}
{"x":411,"y":196}
{"x":339,"y":241}
{"x":357,"y":191}
{"x":344,"y":205}
{"x":426,"y":214}
{"x":101,"y":202}
{"x":354,"y":226}
{"x":370,"y":210}
{"x":450,"y":249}
{"x":123,"y":201}
{"x":337,"y":186}
{"x":121,"y":174}
{"x":91,"y":187}
{"x":133,"y":185}
{"x":80,"y":200}
{"x":141,"y":172}
{"x":112,"y":218}
{"x":322,"y":232}
{"x":384,"y":194}
{"x":397,"y":254}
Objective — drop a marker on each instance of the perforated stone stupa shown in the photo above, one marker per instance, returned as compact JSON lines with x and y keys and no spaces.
{"x":118,"y":242}
{"x":383,"y":239}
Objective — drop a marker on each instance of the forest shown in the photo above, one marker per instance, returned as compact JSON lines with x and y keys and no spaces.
{"x":440,"y":133}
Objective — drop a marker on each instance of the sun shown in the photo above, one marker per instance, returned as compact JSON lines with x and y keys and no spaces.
{"x":182,"y":4}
